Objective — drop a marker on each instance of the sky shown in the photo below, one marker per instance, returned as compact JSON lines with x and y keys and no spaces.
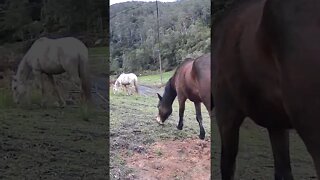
{"x":119,"y":1}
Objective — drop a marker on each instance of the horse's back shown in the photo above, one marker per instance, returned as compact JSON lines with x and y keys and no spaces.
{"x":192,"y":79}
{"x":202,"y":66}
{"x":202,"y":69}
{"x":132,"y":75}
{"x":55,"y":56}
{"x":127,"y":78}
{"x":68,"y":46}
{"x":267,"y":67}
{"x":247,"y":72}
{"x":252,"y":47}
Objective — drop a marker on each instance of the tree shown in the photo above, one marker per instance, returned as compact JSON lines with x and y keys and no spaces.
{"x":16,"y":19}
{"x":184,"y":31}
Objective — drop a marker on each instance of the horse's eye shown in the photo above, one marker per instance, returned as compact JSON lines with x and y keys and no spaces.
{"x":15,"y":88}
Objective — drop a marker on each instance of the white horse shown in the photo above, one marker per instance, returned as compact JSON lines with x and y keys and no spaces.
{"x":126,"y":80}
{"x":49,"y":57}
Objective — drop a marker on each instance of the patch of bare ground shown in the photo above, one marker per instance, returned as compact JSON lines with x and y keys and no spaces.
{"x":172,"y":159}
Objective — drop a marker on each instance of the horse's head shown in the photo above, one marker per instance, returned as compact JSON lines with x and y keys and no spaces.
{"x":115,"y":87}
{"x":163,"y":111}
{"x":18,"y":89}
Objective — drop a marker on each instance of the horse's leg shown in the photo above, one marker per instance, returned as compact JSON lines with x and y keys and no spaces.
{"x":56,"y":91}
{"x":280,"y":146}
{"x":229,"y":125}
{"x":75,"y":79}
{"x":125,"y":86}
{"x":229,"y":119}
{"x":135,"y":83}
{"x":182,"y":101}
{"x":39,"y":79}
{"x":311,"y":140}
{"x":199,"y":119}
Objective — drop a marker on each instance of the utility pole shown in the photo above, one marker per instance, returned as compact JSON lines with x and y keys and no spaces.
{"x":159,"y":55}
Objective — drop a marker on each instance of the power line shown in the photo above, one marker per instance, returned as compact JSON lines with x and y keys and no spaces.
{"x":159,"y":55}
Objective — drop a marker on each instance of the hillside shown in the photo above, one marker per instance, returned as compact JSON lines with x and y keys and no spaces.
{"x":184,"y":32}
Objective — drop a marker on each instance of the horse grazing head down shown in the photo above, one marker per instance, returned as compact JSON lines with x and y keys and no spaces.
{"x":116,"y":86}
{"x":164,"y":111}
{"x":18,"y":89}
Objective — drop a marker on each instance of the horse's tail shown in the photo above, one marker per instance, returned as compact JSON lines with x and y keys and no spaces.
{"x":135,"y":82}
{"x":84,"y":77}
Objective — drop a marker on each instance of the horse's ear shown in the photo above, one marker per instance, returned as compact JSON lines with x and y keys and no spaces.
{"x":160,"y":98}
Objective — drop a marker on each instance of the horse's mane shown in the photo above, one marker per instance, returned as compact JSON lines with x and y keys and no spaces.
{"x":169,"y":91}
{"x":23,"y":70}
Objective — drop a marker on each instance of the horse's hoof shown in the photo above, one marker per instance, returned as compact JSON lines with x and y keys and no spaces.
{"x":180,"y":127}
{"x":202,"y":136}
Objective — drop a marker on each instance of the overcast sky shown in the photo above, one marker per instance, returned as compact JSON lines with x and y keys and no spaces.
{"x":119,"y":1}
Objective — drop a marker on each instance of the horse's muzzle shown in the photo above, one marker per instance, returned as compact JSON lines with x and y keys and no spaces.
{"x":158,"y":119}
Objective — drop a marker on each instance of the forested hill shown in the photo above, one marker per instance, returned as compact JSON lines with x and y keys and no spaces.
{"x":184,"y":32}
{"x":23,"y":20}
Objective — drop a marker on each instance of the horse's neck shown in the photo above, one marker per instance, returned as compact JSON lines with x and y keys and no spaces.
{"x":23,"y":70}
{"x":117,"y":83}
{"x":170,"y":92}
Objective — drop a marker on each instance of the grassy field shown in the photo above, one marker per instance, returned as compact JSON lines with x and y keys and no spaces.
{"x":152,"y":78}
{"x":155,"y":79}
{"x":133,"y":128}
{"x":53,"y":143}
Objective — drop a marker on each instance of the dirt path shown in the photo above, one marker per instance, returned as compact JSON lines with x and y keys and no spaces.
{"x":173,"y":159}
{"x":149,"y":90}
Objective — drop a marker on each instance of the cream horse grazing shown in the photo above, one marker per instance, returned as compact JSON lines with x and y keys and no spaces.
{"x":126,"y":80}
{"x":51,"y":57}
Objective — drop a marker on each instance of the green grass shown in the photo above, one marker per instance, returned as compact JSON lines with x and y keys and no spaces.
{"x":52,"y":140}
{"x":133,"y":124}
{"x":6,"y":98}
{"x":155,"y":79}
{"x":53,"y":143}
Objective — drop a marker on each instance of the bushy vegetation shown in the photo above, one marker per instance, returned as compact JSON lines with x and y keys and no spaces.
{"x":23,"y":20}
{"x":184,"y":32}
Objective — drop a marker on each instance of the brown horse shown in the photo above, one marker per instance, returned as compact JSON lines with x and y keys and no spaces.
{"x":267,"y":68}
{"x":190,"y":81}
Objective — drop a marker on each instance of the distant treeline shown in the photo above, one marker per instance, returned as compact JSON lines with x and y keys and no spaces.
{"x":184,"y":32}
{"x":23,"y":20}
